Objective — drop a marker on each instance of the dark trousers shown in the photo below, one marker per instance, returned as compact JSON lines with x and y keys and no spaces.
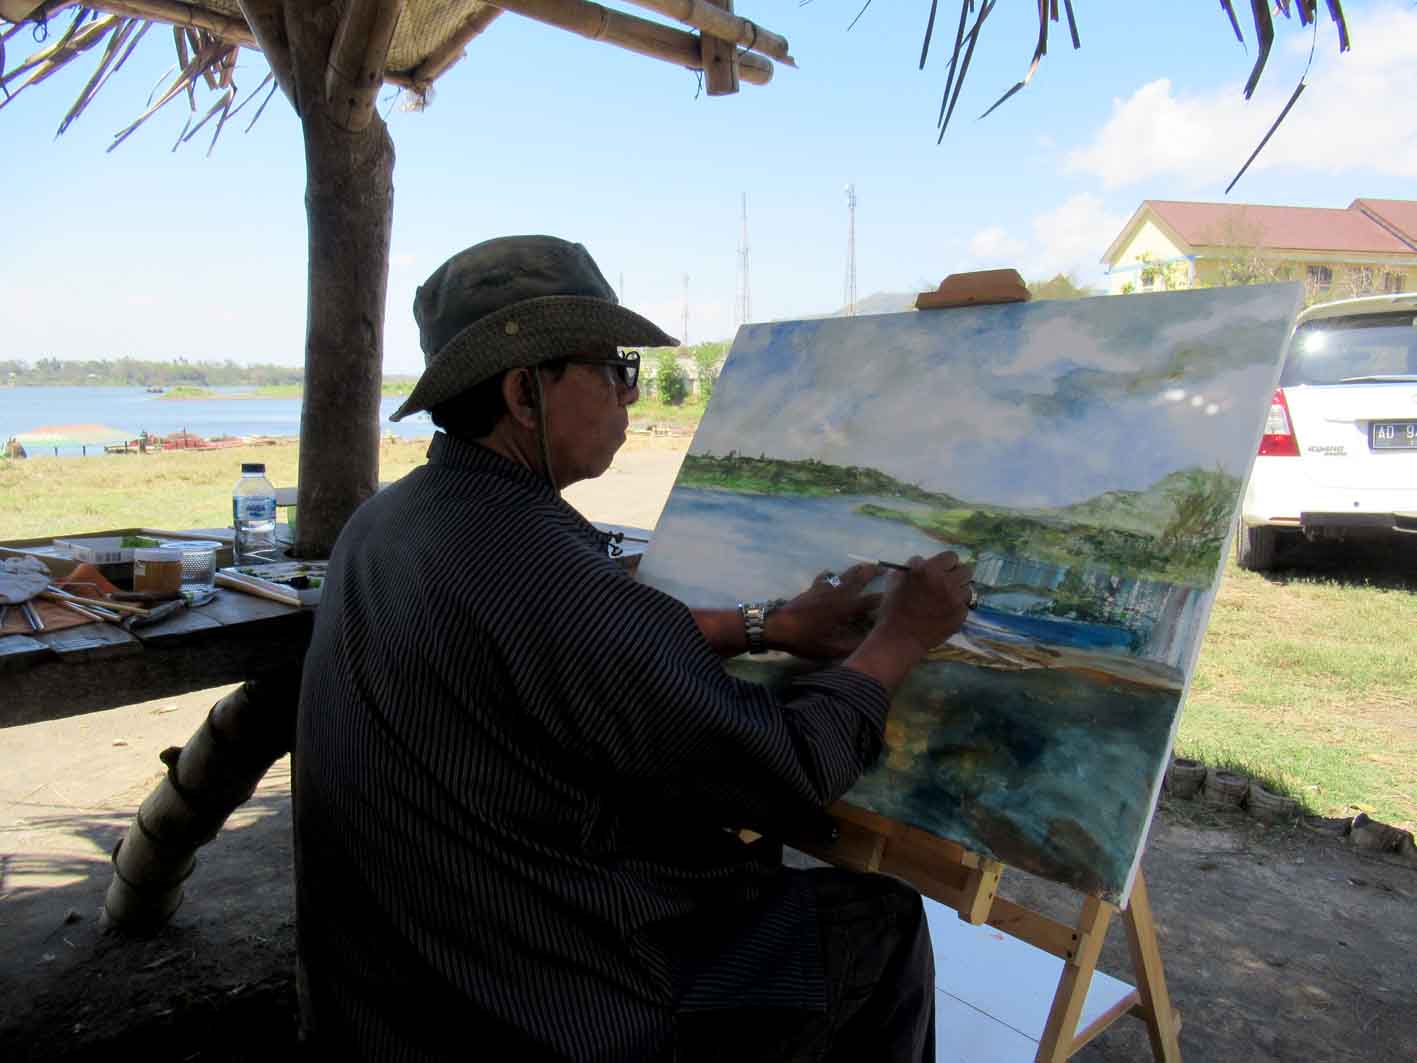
{"x":880,"y":975}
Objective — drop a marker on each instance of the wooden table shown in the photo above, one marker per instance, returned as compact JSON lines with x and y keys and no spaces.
{"x":101,"y":666}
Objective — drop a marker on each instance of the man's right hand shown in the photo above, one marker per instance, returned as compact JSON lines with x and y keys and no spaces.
{"x":922,"y":608}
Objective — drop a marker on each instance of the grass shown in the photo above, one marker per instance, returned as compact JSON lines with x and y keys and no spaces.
{"x":1306,"y":679}
{"x":172,"y":489}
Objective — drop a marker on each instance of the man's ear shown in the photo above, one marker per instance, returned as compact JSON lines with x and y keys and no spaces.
{"x":519,"y":393}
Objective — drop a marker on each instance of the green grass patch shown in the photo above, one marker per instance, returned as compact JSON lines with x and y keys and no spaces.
{"x":188,"y":391}
{"x":1310,"y":684}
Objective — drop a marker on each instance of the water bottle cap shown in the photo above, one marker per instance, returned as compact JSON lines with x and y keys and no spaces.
{"x":254,"y":466}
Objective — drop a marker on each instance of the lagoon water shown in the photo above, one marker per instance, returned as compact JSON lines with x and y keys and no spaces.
{"x":134,"y":410}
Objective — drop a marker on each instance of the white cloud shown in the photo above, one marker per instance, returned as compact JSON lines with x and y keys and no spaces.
{"x":1349,"y":118}
{"x":402,"y":261}
{"x":1070,"y":237}
{"x":995,"y":244}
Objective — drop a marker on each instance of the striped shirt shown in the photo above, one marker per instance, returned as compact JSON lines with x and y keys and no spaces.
{"x":514,"y":770}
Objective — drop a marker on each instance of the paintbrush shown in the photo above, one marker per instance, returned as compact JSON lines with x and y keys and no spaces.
{"x":86,"y":612}
{"x":973,"y":594}
{"x":876,"y":561}
{"x":36,"y":624}
{"x":58,"y":594}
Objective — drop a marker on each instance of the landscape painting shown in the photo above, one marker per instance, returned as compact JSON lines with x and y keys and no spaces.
{"x":1085,"y":456}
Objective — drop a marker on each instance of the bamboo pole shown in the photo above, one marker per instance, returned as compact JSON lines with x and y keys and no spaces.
{"x":638,"y":35}
{"x":719,"y":21}
{"x":450,"y":51}
{"x":207,"y":779}
{"x":354,"y":72}
{"x":176,"y":13}
{"x":720,"y":60}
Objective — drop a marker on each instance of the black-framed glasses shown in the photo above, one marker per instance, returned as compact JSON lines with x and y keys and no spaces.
{"x":627,"y":366}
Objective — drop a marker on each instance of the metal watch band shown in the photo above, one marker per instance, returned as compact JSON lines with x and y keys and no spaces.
{"x":755,"y":615}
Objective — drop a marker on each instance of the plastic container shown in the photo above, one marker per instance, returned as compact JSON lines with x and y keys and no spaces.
{"x":198,"y":564}
{"x":157,"y":571}
{"x":253,"y":516}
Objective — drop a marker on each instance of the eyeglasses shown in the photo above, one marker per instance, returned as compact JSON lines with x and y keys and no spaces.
{"x":627,"y":366}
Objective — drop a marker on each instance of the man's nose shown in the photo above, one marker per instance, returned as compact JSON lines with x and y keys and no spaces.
{"x":629,"y":396}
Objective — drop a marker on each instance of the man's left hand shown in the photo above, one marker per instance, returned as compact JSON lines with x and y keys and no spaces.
{"x":828,"y":619}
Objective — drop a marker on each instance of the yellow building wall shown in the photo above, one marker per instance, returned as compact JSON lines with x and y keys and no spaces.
{"x":1347,"y":279}
{"x":1149,"y":244}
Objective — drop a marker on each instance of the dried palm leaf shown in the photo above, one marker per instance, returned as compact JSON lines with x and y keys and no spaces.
{"x":1048,"y":12}
{"x":131,"y":31}
{"x":209,"y":54}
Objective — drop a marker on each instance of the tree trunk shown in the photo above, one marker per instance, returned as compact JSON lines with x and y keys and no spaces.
{"x":349,"y":196}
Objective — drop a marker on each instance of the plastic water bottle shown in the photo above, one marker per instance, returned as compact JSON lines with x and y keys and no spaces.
{"x":253,"y":515}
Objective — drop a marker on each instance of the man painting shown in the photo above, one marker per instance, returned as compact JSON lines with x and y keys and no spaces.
{"x":517,"y":768}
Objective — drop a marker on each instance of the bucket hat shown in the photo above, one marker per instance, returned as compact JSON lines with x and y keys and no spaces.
{"x":511,"y":302}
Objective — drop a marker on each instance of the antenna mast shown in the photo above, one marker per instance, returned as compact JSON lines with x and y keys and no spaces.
{"x":743,"y":312}
{"x":684,"y":339}
{"x":849,"y":293}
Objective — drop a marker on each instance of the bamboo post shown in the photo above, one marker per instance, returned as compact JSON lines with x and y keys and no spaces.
{"x":638,"y":35}
{"x":720,"y":60}
{"x":438,"y":61}
{"x":716,"y":19}
{"x":354,"y":71}
{"x":207,"y":779}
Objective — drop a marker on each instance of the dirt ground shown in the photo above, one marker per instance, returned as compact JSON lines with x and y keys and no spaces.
{"x":1279,"y":943}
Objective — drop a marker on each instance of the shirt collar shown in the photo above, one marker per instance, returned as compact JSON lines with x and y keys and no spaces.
{"x":451,"y":452}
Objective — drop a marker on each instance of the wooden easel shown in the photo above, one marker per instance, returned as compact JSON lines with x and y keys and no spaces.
{"x":968,"y":882}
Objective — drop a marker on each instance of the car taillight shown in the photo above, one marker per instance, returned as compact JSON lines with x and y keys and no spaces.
{"x":1279,"y":440}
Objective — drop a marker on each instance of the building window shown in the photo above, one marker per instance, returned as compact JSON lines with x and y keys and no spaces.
{"x":1321,"y":277}
{"x":1394,"y":283}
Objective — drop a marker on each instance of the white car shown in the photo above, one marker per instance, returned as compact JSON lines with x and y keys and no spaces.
{"x":1338,"y":458}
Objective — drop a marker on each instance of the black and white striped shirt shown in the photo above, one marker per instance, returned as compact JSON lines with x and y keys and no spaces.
{"x":514,"y":769}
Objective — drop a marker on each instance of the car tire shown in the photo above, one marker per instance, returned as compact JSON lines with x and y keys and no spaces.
{"x":1255,"y":548}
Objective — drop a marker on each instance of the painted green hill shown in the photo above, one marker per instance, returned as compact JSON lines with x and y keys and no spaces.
{"x":775,"y":476}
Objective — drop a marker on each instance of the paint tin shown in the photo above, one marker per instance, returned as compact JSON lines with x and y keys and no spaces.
{"x":157,"y":571}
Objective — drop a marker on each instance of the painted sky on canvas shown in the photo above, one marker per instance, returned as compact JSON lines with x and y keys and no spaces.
{"x":1094,"y":395}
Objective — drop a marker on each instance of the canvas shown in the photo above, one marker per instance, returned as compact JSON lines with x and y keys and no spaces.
{"x":1087,"y":457}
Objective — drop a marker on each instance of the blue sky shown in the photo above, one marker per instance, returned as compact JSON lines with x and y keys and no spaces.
{"x":150,"y":253}
{"x":1032,"y":405}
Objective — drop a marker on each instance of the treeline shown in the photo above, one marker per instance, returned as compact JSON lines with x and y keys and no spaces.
{"x":775,"y":476}
{"x":137,"y":372}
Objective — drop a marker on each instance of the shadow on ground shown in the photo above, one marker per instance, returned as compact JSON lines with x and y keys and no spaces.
{"x":1385,"y":564}
{"x":1279,"y":944}
{"x":216,"y":984}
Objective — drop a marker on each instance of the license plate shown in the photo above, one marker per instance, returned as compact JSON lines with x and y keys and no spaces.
{"x":1394,"y":435}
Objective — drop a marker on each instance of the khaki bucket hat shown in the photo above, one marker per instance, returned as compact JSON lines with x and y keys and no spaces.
{"x":511,"y":302}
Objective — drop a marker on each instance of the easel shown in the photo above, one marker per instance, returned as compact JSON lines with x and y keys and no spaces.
{"x":968,"y":882}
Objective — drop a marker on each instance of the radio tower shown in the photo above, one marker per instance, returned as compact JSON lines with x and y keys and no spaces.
{"x":849,"y":294}
{"x":684,"y":339}
{"x":743,"y":312}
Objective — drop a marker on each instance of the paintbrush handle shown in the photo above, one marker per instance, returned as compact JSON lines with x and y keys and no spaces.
{"x":65,"y":596}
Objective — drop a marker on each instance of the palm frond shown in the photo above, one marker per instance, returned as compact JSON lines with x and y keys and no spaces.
{"x":1260,"y":15}
{"x":203,"y":60}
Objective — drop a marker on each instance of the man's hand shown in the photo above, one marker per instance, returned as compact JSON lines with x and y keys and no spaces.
{"x":827,"y":620}
{"x":922,"y":608}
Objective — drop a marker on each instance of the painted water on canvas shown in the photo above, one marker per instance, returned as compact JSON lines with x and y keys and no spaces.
{"x":1086,"y":457}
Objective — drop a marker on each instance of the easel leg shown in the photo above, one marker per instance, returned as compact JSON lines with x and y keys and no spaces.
{"x":1163,"y":1024}
{"x":1056,"y":1044}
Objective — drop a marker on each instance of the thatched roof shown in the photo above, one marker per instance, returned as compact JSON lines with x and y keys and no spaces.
{"x":415,"y":41}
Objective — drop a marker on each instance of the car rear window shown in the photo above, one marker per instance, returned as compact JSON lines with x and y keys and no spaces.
{"x":1337,"y":350}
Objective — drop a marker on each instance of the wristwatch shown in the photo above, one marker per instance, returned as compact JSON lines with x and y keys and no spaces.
{"x":755,"y":621}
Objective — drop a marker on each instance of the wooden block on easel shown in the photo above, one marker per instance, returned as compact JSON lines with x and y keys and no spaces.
{"x":983,"y":287}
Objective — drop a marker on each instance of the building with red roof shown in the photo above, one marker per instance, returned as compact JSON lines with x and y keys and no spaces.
{"x":1368,"y":246}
